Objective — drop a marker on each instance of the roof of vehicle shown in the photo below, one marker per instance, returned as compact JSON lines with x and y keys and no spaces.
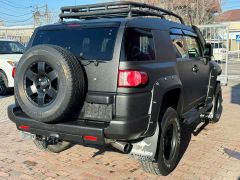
{"x":138,"y":22}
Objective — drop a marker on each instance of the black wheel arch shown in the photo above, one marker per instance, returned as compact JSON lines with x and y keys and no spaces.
{"x":163,"y":89}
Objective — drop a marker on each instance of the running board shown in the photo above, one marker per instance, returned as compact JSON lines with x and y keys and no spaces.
{"x":195,"y":115}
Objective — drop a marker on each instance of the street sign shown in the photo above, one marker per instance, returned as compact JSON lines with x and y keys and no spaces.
{"x":238,"y":37}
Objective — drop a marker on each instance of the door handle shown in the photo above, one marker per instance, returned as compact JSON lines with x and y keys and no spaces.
{"x":195,"y":69}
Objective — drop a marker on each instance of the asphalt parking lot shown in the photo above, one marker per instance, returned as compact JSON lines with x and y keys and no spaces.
{"x":211,"y":151}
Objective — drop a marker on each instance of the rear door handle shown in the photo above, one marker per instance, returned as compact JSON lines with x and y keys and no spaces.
{"x":195,"y":69}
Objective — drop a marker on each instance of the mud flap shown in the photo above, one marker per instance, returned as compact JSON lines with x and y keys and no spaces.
{"x":146,"y":149}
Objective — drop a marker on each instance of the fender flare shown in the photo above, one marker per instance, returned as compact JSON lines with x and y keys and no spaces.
{"x":160,"y":88}
{"x":215,"y":71}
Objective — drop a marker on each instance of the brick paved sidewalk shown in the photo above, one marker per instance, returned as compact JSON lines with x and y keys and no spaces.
{"x":213,"y":153}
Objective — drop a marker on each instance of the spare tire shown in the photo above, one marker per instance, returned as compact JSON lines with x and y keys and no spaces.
{"x":49,"y":83}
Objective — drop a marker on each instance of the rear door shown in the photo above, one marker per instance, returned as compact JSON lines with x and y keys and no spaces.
{"x":96,"y":45}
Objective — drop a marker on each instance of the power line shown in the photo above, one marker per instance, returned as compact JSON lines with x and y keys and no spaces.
{"x":15,"y":15}
{"x":8,"y":1}
{"x":12,"y":11}
{"x":25,"y":20}
{"x":17,"y":7}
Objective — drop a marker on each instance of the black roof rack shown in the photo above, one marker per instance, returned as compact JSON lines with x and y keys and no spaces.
{"x":114,"y":9}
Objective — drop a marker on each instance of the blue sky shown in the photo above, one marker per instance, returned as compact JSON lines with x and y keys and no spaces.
{"x":230,"y":4}
{"x":16,"y":12}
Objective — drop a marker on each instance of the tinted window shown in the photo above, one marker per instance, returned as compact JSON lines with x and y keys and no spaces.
{"x":138,"y":45}
{"x":179,"y":46}
{"x":193,"y":47}
{"x":9,"y":47}
{"x":85,"y":43}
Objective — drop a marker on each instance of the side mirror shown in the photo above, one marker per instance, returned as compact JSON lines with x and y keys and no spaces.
{"x":208,"y":50}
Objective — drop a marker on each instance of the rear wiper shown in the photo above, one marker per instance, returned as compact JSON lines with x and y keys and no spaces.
{"x":96,"y":62}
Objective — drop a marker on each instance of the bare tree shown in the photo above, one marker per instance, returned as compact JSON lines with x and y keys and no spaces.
{"x":193,"y":11}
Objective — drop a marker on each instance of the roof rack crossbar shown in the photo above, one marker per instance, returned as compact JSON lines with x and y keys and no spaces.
{"x":114,"y":9}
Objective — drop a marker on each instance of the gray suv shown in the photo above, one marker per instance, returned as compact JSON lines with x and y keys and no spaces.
{"x":119,"y":74}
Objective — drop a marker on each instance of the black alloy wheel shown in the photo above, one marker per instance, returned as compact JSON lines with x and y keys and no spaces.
{"x":41,"y":84}
{"x":169,"y":142}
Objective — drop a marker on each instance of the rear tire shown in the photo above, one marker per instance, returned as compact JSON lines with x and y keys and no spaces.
{"x":168,"y":147}
{"x":56,"y":148}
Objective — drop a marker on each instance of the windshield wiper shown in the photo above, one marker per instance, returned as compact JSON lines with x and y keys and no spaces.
{"x":89,"y":61}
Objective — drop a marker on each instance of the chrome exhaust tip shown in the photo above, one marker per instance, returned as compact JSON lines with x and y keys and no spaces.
{"x":122,"y":146}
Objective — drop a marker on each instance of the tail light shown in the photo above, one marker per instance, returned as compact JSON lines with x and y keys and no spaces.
{"x":25,"y":128}
{"x":90,"y":138}
{"x":13,"y":72}
{"x":132,"y":78}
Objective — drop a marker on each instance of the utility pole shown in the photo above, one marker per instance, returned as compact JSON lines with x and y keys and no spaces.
{"x":41,"y":17}
{"x":36,"y":16}
{"x":47,"y":15}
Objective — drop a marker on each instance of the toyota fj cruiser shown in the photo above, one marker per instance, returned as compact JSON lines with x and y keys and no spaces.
{"x":121,"y":74}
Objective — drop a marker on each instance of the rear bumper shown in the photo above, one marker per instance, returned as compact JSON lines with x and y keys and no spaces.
{"x":73,"y":131}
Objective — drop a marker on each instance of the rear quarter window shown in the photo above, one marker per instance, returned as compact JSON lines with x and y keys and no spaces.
{"x":138,"y":45}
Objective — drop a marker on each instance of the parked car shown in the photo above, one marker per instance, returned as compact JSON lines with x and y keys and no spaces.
{"x":123,"y":76}
{"x":10,"y":53}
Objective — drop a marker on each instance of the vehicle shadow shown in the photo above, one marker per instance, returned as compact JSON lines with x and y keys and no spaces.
{"x":235,"y":94}
{"x":232,"y":153}
{"x":101,"y":149}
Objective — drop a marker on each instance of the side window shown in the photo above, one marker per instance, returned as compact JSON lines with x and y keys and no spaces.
{"x":179,"y":46}
{"x":138,"y":45}
{"x":193,"y":47}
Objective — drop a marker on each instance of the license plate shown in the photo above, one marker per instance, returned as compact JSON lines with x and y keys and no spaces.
{"x":98,"y":111}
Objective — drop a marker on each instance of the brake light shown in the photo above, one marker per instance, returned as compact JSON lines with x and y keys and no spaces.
{"x":90,"y":138}
{"x":132,"y":78}
{"x":13,"y":72}
{"x":23,"y":127}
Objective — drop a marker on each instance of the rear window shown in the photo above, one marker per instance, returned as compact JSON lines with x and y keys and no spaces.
{"x":138,"y":45}
{"x":84,"y":43}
